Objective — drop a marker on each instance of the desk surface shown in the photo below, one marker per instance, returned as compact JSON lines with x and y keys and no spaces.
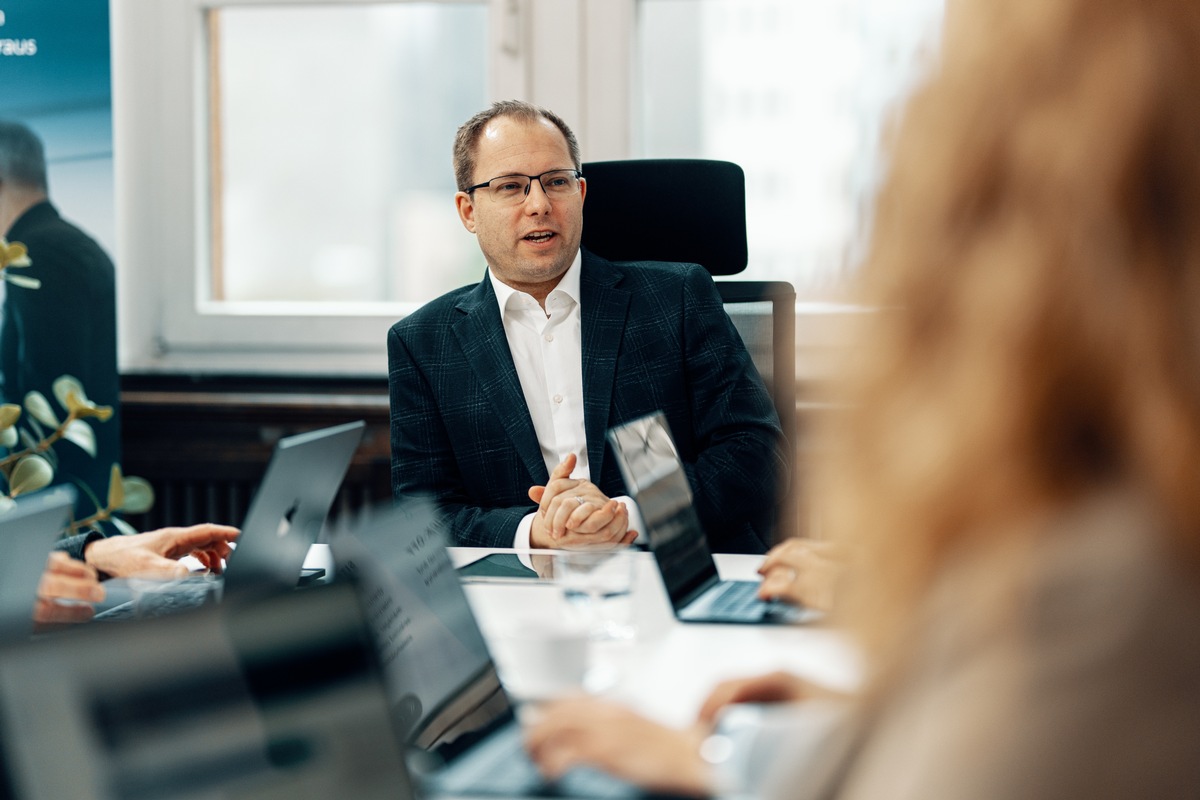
{"x":668,"y":669}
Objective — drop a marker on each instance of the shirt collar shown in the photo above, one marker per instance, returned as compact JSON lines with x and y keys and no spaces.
{"x":568,"y":285}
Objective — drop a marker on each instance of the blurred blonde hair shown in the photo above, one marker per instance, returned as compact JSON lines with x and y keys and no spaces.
{"x":1035,"y":264}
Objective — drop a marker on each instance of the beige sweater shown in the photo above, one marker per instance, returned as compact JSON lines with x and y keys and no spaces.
{"x":1072,"y":671}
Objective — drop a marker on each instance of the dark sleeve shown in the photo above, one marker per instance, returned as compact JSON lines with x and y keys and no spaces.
{"x":74,"y":545}
{"x":9,"y":346}
{"x":423,"y":459}
{"x":737,"y":467}
{"x":67,"y":327}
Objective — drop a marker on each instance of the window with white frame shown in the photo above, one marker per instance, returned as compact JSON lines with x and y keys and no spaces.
{"x":285,"y":190}
{"x":284,"y":186}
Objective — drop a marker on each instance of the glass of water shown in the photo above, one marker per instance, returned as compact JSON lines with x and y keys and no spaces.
{"x":598,"y":588}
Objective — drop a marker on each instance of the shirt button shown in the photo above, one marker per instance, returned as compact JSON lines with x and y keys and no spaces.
{"x":549,"y":337}
{"x":558,"y":398}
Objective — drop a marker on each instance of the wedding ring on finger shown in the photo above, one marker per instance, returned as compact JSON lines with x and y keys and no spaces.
{"x":580,"y":499}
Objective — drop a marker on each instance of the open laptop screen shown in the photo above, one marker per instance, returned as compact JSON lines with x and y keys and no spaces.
{"x":441,"y":680}
{"x":290,"y":506}
{"x":270,"y":697}
{"x":655,"y":478}
{"x":27,"y":533}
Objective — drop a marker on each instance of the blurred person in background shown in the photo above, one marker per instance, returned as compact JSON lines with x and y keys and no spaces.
{"x":1016,"y":468}
{"x":68,"y":326}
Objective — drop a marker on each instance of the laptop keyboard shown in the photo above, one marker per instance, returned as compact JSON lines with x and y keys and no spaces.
{"x":738,"y":600}
{"x":170,"y":600}
{"x":499,"y":766}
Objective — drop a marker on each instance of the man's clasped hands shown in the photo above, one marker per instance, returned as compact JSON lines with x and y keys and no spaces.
{"x":574,"y":513}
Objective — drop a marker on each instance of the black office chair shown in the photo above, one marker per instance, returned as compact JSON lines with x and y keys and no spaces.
{"x":694,"y":210}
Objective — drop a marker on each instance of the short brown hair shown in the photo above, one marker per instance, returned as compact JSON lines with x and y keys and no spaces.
{"x":468,"y":135}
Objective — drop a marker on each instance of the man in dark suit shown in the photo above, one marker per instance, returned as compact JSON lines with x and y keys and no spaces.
{"x":69,"y":325}
{"x":502,"y":392}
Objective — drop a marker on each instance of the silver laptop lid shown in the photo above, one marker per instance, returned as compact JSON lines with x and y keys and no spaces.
{"x":276,"y":697}
{"x":655,"y":478}
{"x":27,"y":534}
{"x":290,"y":506}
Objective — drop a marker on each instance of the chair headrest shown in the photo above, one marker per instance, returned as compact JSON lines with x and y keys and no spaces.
{"x":675,"y":209}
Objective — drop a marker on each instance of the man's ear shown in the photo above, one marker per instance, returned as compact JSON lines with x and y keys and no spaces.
{"x":466,"y":210}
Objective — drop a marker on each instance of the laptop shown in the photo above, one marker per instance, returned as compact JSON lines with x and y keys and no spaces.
{"x":27,"y":534}
{"x":265,"y":697}
{"x":445,"y":695}
{"x":284,"y":521}
{"x":655,"y":479}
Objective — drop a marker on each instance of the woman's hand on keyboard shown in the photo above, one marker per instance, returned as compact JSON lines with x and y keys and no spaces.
{"x":585,"y":731}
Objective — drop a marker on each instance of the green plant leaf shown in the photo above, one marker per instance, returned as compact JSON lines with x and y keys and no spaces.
{"x":9,"y":438}
{"x":84,"y":409}
{"x":22,"y":280}
{"x":116,"y":488}
{"x":39,"y":408}
{"x":81,"y":434}
{"x":64,"y":387}
{"x":139,"y":495}
{"x":14,"y":254}
{"x":9,"y":414}
{"x":123,"y":527}
{"x":30,"y":474}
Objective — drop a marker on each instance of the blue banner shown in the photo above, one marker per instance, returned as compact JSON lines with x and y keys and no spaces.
{"x":56,"y":77}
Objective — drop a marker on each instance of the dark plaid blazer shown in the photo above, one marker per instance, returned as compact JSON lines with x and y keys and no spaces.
{"x":655,"y":337}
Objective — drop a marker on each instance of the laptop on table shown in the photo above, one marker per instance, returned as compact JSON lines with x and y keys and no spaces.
{"x":285,"y":518}
{"x":259,"y":697}
{"x":27,"y":534}
{"x":655,"y":478}
{"x":444,"y":691}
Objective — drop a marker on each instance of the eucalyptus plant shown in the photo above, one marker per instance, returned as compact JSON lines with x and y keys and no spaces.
{"x":29,"y":435}
{"x":15,"y":255}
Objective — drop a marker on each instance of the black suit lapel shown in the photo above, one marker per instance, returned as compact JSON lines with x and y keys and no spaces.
{"x":605,"y":309}
{"x":480,"y":334}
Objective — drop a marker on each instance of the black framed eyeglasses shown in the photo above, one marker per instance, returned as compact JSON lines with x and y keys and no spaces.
{"x":513,"y":189}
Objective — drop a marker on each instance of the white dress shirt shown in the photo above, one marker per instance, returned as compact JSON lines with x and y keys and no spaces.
{"x":547,"y":350}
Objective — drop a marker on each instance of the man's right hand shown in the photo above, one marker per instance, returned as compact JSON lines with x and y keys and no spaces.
{"x":71,"y":580}
{"x":574,"y":513}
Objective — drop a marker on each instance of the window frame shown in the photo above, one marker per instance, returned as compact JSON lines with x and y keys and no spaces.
{"x":161,"y":124}
{"x":161,"y":121}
